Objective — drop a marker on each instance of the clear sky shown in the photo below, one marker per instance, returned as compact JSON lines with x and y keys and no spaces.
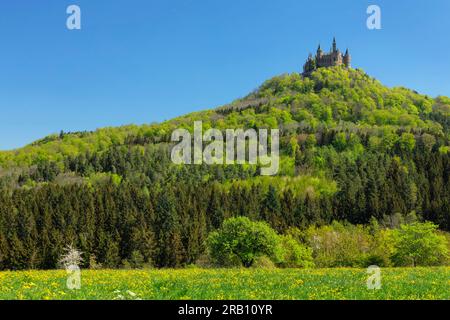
{"x":140,"y":61}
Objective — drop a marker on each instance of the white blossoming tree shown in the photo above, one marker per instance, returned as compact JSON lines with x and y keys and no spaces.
{"x":71,"y":257}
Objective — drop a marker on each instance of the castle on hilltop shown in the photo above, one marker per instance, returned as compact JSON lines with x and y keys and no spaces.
{"x":325,"y":60}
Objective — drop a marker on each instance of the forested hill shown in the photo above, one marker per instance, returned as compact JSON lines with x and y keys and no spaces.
{"x":352,"y":149}
{"x":331,"y":99}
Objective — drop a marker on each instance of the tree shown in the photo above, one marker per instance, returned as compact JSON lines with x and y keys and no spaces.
{"x":167,"y":231}
{"x":418,"y":244}
{"x":136,"y":260}
{"x":407,"y":142}
{"x":340,"y":141}
{"x":71,"y":257}
{"x":242,"y":240}
{"x":271,"y":207}
{"x":294,"y":254}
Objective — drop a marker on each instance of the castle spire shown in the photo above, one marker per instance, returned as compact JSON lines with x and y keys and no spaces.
{"x":319,"y":51}
{"x":334,"y":44}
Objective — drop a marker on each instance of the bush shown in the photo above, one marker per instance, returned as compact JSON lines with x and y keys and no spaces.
{"x":241,"y":241}
{"x":346,"y":245}
{"x":419,"y":244}
{"x":203,"y":261}
{"x":136,"y":260}
{"x":263,"y":262}
{"x":338,"y":245}
{"x":294,"y":254}
{"x":93,"y":264}
{"x":381,"y":249}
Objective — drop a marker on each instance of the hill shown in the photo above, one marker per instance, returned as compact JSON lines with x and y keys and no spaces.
{"x":351,"y":149}
{"x":332,"y":98}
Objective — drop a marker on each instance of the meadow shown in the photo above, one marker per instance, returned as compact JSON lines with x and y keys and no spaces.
{"x":251,"y":284}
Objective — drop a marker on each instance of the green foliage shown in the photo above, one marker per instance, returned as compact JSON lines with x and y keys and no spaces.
{"x":418,"y":244}
{"x":407,"y":142}
{"x":351,"y":150}
{"x":263,"y":262}
{"x":136,"y":260}
{"x":242,"y":239}
{"x":345,"y":245}
{"x":256,"y":244}
{"x":328,"y":97}
{"x":444,"y":149}
{"x":104,"y":178}
{"x":169,"y":248}
{"x":294,"y":254}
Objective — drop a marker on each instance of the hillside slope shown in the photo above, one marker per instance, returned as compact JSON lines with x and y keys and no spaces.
{"x":332,"y":98}
{"x":351,"y":149}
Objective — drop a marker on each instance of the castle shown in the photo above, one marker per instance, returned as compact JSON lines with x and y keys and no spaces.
{"x":324,"y":60}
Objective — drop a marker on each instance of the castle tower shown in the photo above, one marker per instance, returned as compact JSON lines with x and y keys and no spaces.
{"x":347,"y":59}
{"x":334,"y":45}
{"x":319,"y":52}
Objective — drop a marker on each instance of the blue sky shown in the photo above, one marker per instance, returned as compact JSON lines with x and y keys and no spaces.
{"x":140,"y":61}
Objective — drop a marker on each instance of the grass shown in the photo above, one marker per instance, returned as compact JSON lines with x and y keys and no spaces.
{"x":398,"y":283}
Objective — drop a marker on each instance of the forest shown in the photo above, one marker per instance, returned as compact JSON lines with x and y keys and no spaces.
{"x":352,"y":150}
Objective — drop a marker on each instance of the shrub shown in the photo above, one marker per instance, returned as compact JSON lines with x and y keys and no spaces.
{"x":136,"y":260}
{"x":346,"y":245}
{"x":339,"y":245}
{"x":419,"y":244}
{"x":381,"y":249}
{"x":203,"y":261}
{"x":93,"y":263}
{"x":263,"y":262}
{"x":294,"y":254}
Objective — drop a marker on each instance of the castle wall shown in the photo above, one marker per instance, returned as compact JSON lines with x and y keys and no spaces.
{"x":330,"y":60}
